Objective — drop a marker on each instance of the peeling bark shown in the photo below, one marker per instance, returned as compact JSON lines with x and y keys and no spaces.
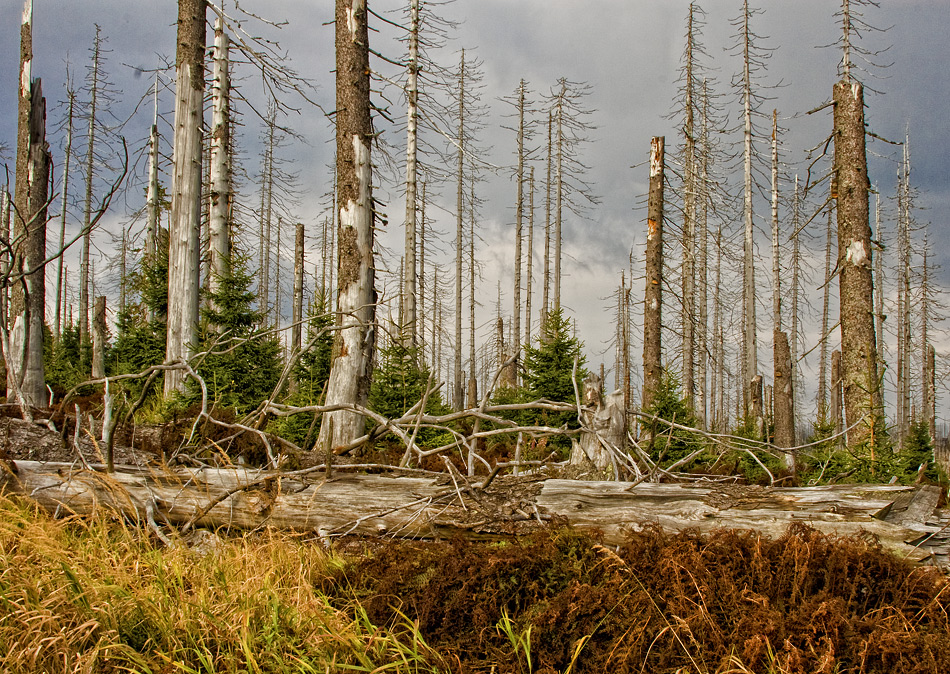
{"x":352,"y":367}
{"x":184,"y":225}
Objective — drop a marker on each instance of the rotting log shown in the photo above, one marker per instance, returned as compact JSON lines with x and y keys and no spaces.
{"x":445,"y":505}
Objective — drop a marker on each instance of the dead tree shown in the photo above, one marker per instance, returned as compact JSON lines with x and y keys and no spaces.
{"x":184,"y":225}
{"x":783,"y":414}
{"x":26,"y":381}
{"x":653,"y":294}
{"x":99,"y":338}
{"x":410,"y":280}
{"x":296,"y":329}
{"x":219,"y":227}
{"x":856,"y":287}
{"x":58,"y":294}
{"x":352,"y":366}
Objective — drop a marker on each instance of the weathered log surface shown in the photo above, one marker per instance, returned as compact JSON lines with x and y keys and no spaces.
{"x":903,"y":518}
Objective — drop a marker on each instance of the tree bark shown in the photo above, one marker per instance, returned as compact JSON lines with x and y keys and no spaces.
{"x":837,"y":402}
{"x":519,"y":217}
{"x":459,"y":397}
{"x":219,"y":222}
{"x":352,"y":368}
{"x":28,"y":294}
{"x":653,"y":295}
{"x":296,"y":330}
{"x":27,"y":308}
{"x":856,"y":287}
{"x":184,"y":225}
{"x":410,"y":280}
{"x":783,"y":396}
{"x":99,"y":338}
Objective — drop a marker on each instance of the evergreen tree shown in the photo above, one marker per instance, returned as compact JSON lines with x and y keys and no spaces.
{"x":548,"y":366}
{"x":244,"y":364}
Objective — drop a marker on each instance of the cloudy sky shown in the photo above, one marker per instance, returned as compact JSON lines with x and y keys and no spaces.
{"x":628,"y":52}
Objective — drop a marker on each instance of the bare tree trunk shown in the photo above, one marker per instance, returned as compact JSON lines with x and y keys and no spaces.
{"x":796,"y":289}
{"x":546,"y":291}
{"x":776,"y":265}
{"x":296,"y":331}
{"x":783,"y":396}
{"x":24,"y":359}
{"x":472,"y":390}
{"x":836,"y":395}
{"x":823,"y":337}
{"x":688,"y":271}
{"x":219,"y":226}
{"x":87,"y":210}
{"x":459,"y":243}
{"x":879,"y":287}
{"x":529,"y":274}
{"x":420,"y":279}
{"x":859,"y":352}
{"x":99,"y":338}
{"x":717,"y":382}
{"x":152,"y":205}
{"x":184,"y":225}
{"x":57,"y":316}
{"x":702,"y":265}
{"x":519,"y":216}
{"x":410,"y":288}
{"x":927,"y":355}
{"x":750,"y":365}
{"x":653,"y":295}
{"x":267,"y":210}
{"x":352,"y":368}
{"x":559,"y":196}
{"x":756,"y":406}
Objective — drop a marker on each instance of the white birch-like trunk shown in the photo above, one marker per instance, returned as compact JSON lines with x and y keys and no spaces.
{"x":410,"y":281}
{"x":185,"y":222}
{"x":219,"y":221}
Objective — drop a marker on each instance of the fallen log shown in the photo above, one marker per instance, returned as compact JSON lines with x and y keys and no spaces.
{"x":446,"y":505}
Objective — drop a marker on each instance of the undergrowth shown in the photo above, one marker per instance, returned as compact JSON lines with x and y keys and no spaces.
{"x":100,"y":595}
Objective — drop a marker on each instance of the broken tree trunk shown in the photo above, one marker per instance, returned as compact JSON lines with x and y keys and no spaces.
{"x":99,"y":338}
{"x":424,"y":507}
{"x":783,"y":413}
{"x":604,"y":427}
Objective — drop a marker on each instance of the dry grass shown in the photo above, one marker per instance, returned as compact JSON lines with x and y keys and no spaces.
{"x":96,"y":595}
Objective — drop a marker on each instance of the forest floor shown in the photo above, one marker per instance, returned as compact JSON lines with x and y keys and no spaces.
{"x":99,"y":594}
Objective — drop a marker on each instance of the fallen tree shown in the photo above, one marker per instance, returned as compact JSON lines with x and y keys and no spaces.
{"x":443,"y":505}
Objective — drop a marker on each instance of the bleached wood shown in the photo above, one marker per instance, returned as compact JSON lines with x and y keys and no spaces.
{"x":424,"y":507}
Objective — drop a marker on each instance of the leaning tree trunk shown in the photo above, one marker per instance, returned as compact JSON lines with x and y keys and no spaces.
{"x":25,"y":373}
{"x":653,"y":296}
{"x":184,"y":225}
{"x":219,"y":226}
{"x":352,"y":368}
{"x":856,"y":287}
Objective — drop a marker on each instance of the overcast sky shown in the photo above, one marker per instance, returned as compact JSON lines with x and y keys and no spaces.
{"x":628,"y":52}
